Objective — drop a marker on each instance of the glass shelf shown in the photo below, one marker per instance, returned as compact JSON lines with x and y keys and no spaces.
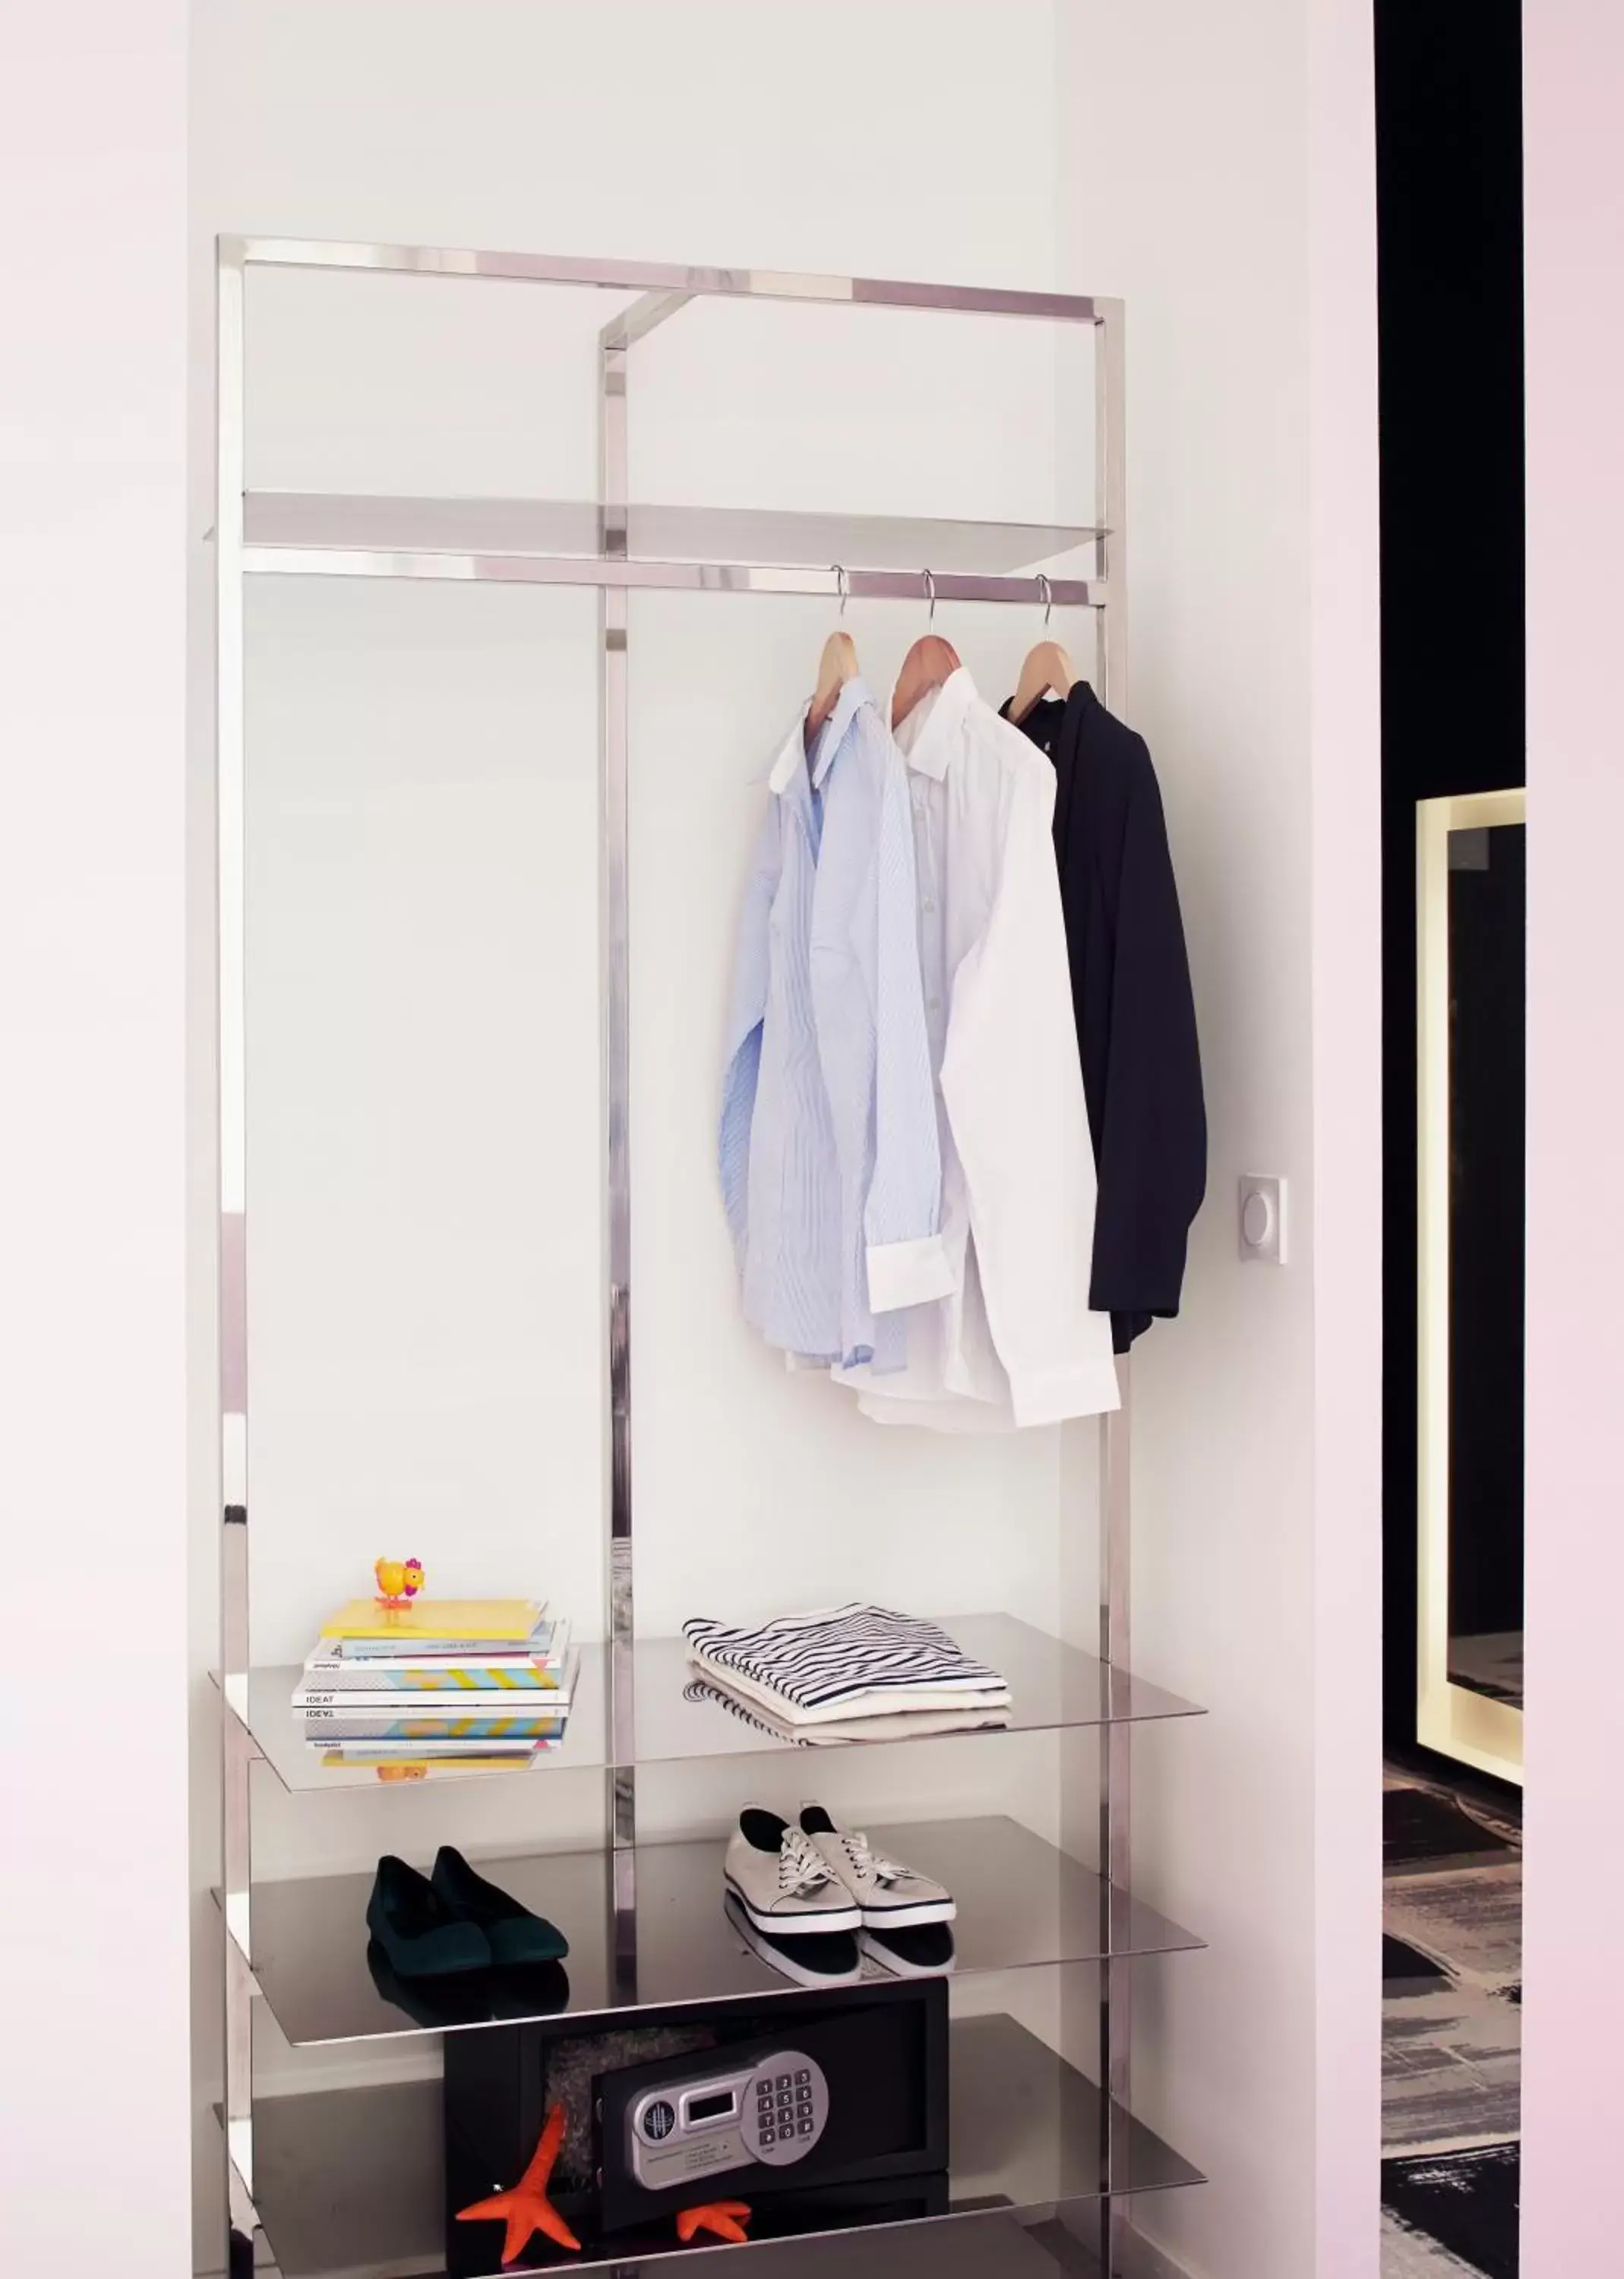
{"x":352,"y":2180}
{"x":1021,"y":1903}
{"x":1052,"y":1686}
{"x":969,"y":2247}
{"x":315,"y":521}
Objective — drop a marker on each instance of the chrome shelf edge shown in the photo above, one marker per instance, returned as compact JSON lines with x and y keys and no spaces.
{"x":232,"y":1688}
{"x":681,"y":577}
{"x":660,"y":277}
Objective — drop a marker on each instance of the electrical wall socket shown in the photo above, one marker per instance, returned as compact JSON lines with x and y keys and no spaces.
{"x":1263,"y":1219}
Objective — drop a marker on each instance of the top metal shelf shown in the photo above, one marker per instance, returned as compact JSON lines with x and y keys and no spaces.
{"x":750,"y":550}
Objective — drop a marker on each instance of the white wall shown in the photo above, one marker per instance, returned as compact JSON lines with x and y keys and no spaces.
{"x":1221,"y":178}
{"x":93,"y":1779}
{"x":422,"y":767}
{"x":1573,"y":65}
{"x":1346,"y":859}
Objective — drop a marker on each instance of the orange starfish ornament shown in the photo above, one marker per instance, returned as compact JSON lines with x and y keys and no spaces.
{"x":526,"y":2209}
{"x":726,"y":2218}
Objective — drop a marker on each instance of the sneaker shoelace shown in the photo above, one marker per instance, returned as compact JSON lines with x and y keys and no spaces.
{"x":800,"y":1870}
{"x":864,"y":1862}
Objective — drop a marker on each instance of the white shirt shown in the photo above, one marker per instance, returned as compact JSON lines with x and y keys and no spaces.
{"x":1015,"y":1342}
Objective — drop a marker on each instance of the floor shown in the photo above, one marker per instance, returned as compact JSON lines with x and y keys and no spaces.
{"x":1451,"y":1967}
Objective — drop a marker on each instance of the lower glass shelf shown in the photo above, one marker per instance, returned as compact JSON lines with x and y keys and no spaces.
{"x":1021,"y":1903}
{"x":351,"y":2181}
{"x":968,"y":2247}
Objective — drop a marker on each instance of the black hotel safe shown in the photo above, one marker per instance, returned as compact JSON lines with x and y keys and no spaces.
{"x":817,"y":2108}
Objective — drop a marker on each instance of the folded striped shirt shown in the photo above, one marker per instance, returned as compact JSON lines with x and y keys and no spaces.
{"x":842,"y":1662}
{"x":901,"y":1725}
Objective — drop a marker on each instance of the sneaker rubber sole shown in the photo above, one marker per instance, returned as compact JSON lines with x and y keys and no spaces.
{"x":927,"y":1953}
{"x":818,"y":1958}
{"x":908,"y":1916}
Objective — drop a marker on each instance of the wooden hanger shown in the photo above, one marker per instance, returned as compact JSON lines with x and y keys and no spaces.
{"x":1047,"y":667}
{"x":925,"y":667}
{"x":837,"y":665}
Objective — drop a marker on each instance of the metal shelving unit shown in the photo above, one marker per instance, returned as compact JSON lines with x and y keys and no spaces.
{"x":318,"y":2177}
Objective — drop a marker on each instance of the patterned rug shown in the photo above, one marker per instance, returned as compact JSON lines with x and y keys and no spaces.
{"x":1451,"y":1967}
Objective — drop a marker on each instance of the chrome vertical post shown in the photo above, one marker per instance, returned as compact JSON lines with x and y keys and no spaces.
{"x":1110,"y":490}
{"x":620,"y":1803}
{"x":1115,"y":1815}
{"x":1116,"y":1435}
{"x":231,"y":952}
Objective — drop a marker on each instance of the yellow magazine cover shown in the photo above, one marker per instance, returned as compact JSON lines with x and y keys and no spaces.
{"x":427,"y":1619}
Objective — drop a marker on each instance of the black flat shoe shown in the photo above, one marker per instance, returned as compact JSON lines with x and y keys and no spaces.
{"x":464,"y":1999}
{"x":515,"y":1936}
{"x":419,"y":1933}
{"x":530,"y":1990}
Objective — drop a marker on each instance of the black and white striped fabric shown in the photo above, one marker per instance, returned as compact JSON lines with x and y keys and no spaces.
{"x":888,"y":1725}
{"x":843,"y":1662}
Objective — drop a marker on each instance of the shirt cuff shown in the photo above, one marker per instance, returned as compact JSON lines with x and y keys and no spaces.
{"x":1047,"y":1396}
{"x":908,"y":1273}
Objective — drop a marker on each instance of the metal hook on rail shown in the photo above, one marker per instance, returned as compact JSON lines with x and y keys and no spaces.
{"x":930,"y":587}
{"x":844,"y":586}
{"x":1045,"y":595}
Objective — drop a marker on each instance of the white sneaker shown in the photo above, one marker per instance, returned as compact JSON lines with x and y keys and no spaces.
{"x":888,"y":1895}
{"x":811,"y":1958}
{"x":782,"y":1881}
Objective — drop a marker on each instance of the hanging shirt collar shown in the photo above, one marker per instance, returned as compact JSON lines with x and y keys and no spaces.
{"x":794,"y":754}
{"x":926,"y":738}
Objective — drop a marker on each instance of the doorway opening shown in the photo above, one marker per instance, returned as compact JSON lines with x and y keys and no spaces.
{"x":1448,"y":99}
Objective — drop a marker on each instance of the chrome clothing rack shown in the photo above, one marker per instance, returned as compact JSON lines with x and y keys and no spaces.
{"x":617,"y":547}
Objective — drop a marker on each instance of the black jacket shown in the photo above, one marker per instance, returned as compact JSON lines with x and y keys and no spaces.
{"x":1135,"y":1012}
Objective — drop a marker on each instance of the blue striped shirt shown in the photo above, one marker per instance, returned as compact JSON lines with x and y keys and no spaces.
{"x":830,"y":1158}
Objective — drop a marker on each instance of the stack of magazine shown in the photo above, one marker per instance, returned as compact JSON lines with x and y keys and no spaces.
{"x":469,"y":1685}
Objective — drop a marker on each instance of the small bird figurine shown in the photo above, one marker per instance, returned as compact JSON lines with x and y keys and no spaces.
{"x":391,"y":1579}
{"x":526,"y":2209}
{"x":399,"y":1582}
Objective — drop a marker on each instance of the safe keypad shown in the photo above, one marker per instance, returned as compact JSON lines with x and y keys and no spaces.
{"x":785,"y":2110}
